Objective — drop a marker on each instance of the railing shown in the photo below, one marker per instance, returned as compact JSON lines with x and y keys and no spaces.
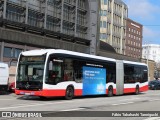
{"x":33,"y":21}
{"x":14,"y":16}
{"x":52,"y":26}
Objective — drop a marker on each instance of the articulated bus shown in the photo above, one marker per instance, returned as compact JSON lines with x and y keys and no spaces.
{"x":54,"y":72}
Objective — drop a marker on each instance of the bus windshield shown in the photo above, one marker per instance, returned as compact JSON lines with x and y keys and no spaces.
{"x":31,"y":68}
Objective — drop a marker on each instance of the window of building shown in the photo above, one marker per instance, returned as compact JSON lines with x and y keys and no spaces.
{"x":104,"y":24}
{"x":101,"y":12}
{"x":8,"y":52}
{"x":13,"y":14}
{"x":11,"y":52}
{"x":102,"y":2}
{"x":100,"y":23}
{"x":104,"y":12}
{"x":105,"y":2}
{"x":103,"y":36}
{"x":17,"y":52}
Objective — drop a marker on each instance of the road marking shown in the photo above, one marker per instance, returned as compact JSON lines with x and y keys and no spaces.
{"x":32,"y":105}
{"x":123,"y":103}
{"x":153,"y":100}
{"x":129,"y":99}
{"x":7,"y":99}
{"x":73,"y":109}
{"x":153,"y":118}
{"x":22,"y":104}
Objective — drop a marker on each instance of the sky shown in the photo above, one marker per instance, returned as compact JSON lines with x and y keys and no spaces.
{"x":147,"y":13}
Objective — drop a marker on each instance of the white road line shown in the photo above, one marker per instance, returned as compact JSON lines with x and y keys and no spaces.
{"x":153,"y":100}
{"x":123,"y":103}
{"x":4,"y":108}
{"x":129,"y":99}
{"x":153,"y":118}
{"x":73,"y":109}
{"x":8,"y":99}
{"x":23,"y":104}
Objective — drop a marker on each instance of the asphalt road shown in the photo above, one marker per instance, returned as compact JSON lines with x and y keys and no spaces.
{"x":148,"y":101}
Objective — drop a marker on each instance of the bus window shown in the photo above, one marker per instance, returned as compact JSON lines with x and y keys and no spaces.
{"x":54,"y":70}
{"x":144,"y":74}
{"x":78,"y":70}
{"x":111,"y":72}
{"x":68,"y":70}
{"x":128,"y":73}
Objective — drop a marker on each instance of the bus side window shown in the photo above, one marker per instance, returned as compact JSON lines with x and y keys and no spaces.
{"x":54,"y":70}
{"x":68,"y":70}
{"x":78,"y":70}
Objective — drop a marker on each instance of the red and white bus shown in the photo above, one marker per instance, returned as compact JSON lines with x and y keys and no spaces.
{"x":54,"y":72}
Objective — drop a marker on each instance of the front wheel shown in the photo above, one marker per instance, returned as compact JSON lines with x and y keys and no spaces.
{"x":69,"y":93}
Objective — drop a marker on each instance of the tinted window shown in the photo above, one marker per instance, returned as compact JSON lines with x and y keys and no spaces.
{"x":135,"y":73}
{"x":71,"y":69}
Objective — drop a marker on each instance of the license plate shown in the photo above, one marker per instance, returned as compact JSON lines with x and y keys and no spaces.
{"x":27,"y":93}
{"x":22,"y":93}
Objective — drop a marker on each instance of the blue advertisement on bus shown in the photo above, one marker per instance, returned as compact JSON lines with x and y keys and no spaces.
{"x":94,"y":81}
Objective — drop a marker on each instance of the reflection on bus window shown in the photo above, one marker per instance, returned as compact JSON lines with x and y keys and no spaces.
{"x":54,"y":71}
{"x":133,"y":74}
{"x":68,"y":70}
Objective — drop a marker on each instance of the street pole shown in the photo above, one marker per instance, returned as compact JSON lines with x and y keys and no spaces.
{"x":147,"y":61}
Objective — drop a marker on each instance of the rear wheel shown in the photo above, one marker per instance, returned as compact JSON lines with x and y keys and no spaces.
{"x":137,"y":90}
{"x":69,"y":93}
{"x":110,"y":91}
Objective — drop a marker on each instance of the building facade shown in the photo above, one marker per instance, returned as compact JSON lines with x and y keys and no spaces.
{"x":151,"y":52}
{"x":134,"y":39}
{"x":71,"y":21}
{"x":114,"y":14}
{"x":36,"y":24}
{"x":151,"y":68}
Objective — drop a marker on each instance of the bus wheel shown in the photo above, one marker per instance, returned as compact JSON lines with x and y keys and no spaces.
{"x":110,"y":91}
{"x":69,"y":93}
{"x":137,"y":90}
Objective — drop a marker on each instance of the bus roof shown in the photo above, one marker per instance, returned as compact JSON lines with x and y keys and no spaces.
{"x":135,"y":63}
{"x":51,"y":51}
